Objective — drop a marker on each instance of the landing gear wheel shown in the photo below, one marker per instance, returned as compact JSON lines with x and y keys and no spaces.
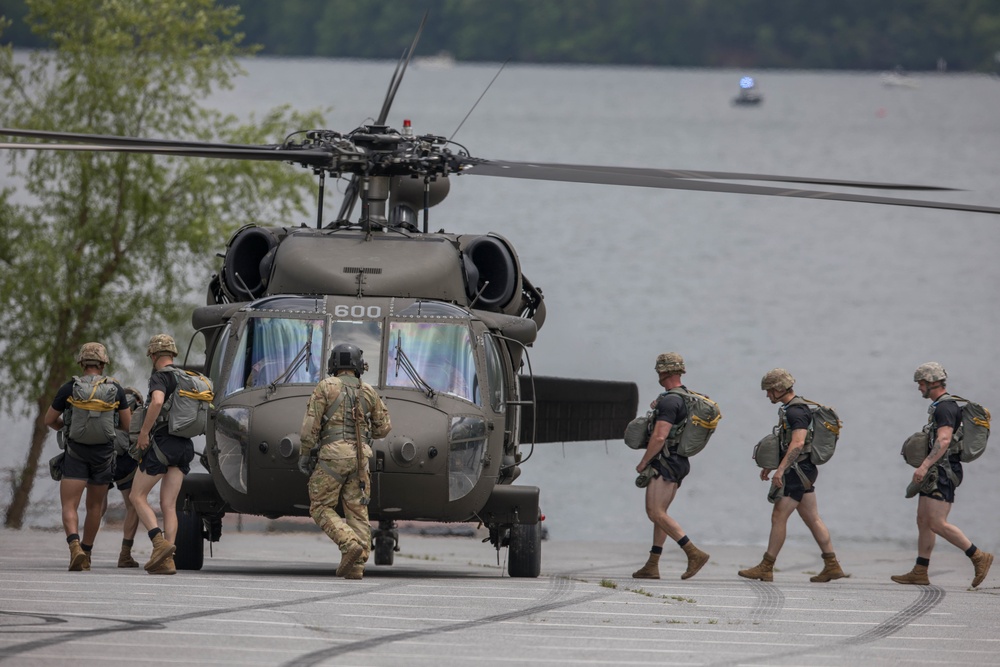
{"x":524,"y":558}
{"x":384,"y":550}
{"x":190,"y":542}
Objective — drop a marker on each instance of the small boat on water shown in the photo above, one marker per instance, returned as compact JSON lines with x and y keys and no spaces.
{"x":898,"y":79}
{"x":749,"y":95}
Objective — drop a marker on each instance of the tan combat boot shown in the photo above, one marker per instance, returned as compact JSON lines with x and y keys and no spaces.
{"x":763,"y":571}
{"x":162,"y":550}
{"x":166,"y":567}
{"x":125,"y":558}
{"x":917,"y":576}
{"x":696,"y":560}
{"x":86,"y":563}
{"x":831,"y":569}
{"x":981,"y":560}
{"x":77,"y":556}
{"x":356,"y":572}
{"x":651,"y":570}
{"x":349,"y":558}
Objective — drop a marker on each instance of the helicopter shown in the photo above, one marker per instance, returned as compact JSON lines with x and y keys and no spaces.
{"x":446,"y":322}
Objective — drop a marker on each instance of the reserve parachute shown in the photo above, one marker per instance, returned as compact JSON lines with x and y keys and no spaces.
{"x":93,"y":404}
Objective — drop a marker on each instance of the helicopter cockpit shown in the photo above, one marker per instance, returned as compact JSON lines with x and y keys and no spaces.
{"x":441,"y":369}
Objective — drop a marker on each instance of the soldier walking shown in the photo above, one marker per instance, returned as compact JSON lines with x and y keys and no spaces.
{"x":344,"y":414}
{"x":793,"y":483}
{"x":937,"y":478}
{"x":84,"y":410}
{"x":670,"y":470}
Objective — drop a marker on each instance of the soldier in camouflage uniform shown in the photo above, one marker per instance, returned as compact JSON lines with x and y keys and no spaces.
{"x":341,"y":408}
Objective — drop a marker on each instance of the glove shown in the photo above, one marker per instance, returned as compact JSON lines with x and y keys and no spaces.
{"x":306,"y":465}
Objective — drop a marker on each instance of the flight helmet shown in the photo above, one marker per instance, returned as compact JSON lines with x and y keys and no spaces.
{"x":345,"y":356}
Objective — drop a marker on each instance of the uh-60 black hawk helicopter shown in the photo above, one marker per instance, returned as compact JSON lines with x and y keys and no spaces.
{"x":445,"y":322}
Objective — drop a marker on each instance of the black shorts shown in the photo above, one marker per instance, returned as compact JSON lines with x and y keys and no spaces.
{"x":179,"y":453}
{"x":125,"y":467}
{"x":672,"y":467}
{"x":945,"y":488}
{"x":793,"y":486}
{"x":93,"y":463}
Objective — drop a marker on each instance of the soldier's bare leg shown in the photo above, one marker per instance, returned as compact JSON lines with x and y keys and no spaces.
{"x":169,"y":490}
{"x":659,"y":494}
{"x":97,"y":496}
{"x":783,"y":509}
{"x":932,"y":519}
{"x":142,"y":484}
{"x":70,"y":493}
{"x":809,"y":511}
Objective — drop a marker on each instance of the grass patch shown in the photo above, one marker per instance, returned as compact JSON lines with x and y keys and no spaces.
{"x":608,"y":583}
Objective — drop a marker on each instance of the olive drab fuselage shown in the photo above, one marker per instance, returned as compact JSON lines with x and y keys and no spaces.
{"x":443,"y":373}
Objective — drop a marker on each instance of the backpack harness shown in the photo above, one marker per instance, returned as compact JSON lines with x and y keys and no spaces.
{"x":353,"y":417}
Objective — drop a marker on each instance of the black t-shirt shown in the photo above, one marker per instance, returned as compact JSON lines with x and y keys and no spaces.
{"x":798,"y":416}
{"x":671,"y":408}
{"x":948,"y":413}
{"x":61,"y":402}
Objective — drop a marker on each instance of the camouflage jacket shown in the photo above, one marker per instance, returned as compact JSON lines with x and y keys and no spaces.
{"x":335,"y":429}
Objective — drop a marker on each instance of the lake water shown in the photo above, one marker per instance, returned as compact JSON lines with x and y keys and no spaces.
{"x":849,"y":297}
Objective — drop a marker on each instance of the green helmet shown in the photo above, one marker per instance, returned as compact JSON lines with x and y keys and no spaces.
{"x":161,"y":343}
{"x":932,"y":371}
{"x":670,"y":362}
{"x":92,"y":354}
{"x":777,"y":378}
{"x":346,"y":357}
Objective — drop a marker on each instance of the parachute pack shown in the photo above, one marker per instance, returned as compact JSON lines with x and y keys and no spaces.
{"x":93,"y":404}
{"x":638,"y":430}
{"x":825,"y":431}
{"x":970,"y":440}
{"x":767,"y":452}
{"x":187,"y":407}
{"x":703,"y":418}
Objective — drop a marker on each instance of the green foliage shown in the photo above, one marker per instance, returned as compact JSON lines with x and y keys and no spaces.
{"x":110,"y":246}
{"x":838,"y":34}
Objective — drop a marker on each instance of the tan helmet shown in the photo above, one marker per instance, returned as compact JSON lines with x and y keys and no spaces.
{"x":777,"y":378}
{"x":932,"y":371}
{"x":92,"y":354}
{"x":133,"y":397}
{"x":161,"y":343}
{"x":670,"y":362}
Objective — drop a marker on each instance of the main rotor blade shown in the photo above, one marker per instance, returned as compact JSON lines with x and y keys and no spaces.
{"x":656,"y":179}
{"x":310,"y":157}
{"x":113,"y":140}
{"x":708,"y":175}
{"x":396,"y":80}
{"x":351,"y":191}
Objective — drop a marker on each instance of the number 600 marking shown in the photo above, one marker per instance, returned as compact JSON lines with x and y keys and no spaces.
{"x":357,"y":311}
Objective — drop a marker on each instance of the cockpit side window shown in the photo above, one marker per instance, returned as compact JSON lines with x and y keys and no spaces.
{"x":440,"y":354}
{"x":277,"y":350}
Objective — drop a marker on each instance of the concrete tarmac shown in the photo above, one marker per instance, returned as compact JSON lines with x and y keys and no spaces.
{"x":273,"y":599}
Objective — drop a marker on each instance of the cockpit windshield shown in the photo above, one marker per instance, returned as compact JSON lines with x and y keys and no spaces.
{"x":277,"y":350}
{"x":440,"y":354}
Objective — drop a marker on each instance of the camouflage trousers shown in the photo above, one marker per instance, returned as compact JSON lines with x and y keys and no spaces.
{"x":324,"y":493}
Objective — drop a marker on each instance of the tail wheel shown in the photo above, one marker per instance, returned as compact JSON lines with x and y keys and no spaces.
{"x":190,"y":541}
{"x":524,"y":558}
